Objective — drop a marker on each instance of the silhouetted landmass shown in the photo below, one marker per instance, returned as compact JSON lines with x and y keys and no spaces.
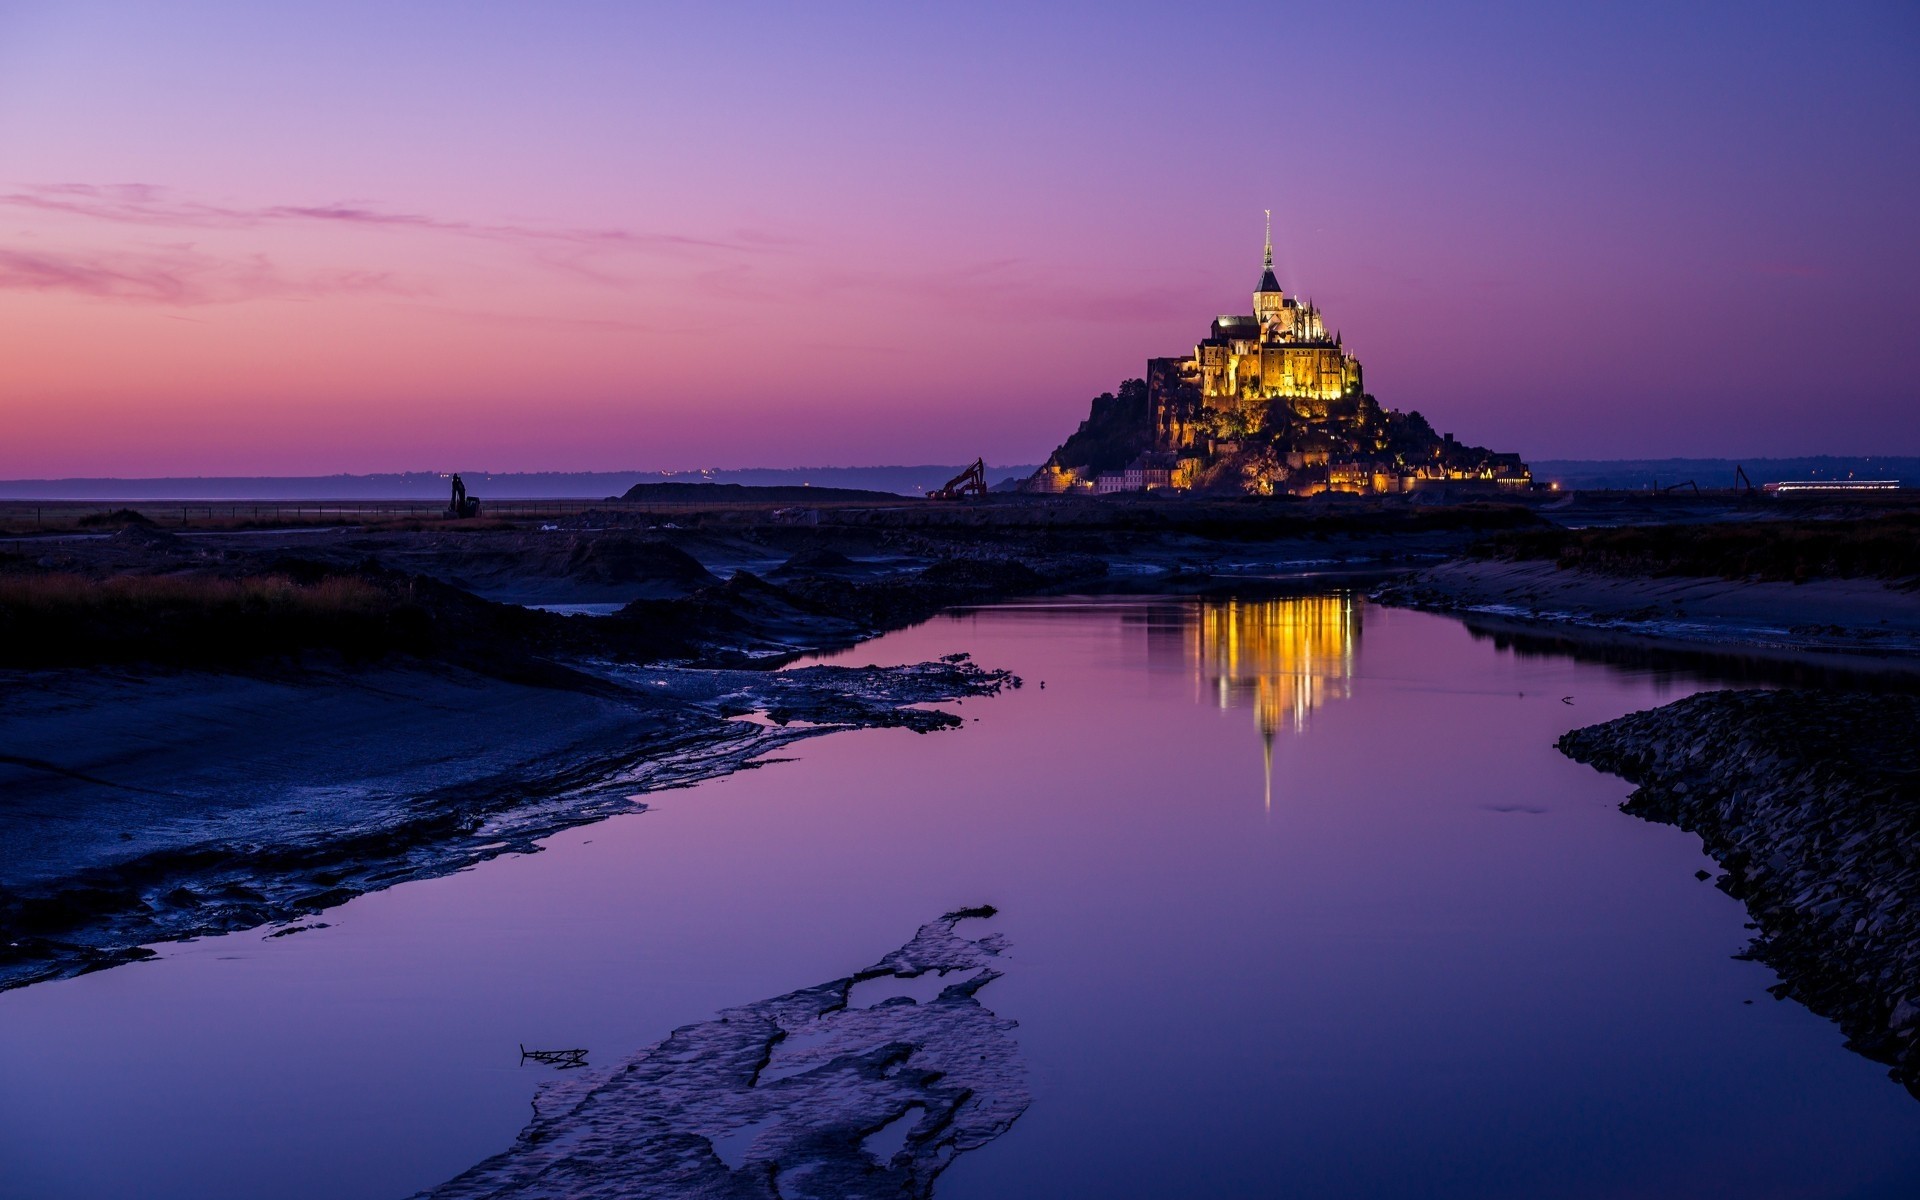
{"x":114,"y":519}
{"x":1638,"y":474}
{"x":1355,"y":446}
{"x":736,"y":493}
{"x":1118,"y":429}
{"x":1880,"y":547}
{"x":504,"y":485}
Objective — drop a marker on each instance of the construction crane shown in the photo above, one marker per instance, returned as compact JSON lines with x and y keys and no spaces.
{"x":1674,"y":487}
{"x":1741,"y":481}
{"x":970,"y":482}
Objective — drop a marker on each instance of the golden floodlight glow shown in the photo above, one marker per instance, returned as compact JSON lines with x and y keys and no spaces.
{"x":1283,"y":658}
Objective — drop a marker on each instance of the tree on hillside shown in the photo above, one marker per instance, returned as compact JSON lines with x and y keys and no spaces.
{"x":1118,"y":429}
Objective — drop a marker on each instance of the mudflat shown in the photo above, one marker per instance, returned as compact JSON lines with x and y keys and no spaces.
{"x":1820,"y":616}
{"x":141,"y":806}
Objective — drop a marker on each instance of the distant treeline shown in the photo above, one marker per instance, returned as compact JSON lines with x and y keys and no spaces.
{"x":528,"y":485}
{"x":1640,"y":474}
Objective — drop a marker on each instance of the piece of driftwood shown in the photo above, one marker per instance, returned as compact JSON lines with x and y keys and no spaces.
{"x":566,"y":1060}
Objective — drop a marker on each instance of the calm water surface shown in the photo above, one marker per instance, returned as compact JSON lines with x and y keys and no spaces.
{"x":1302,"y":902}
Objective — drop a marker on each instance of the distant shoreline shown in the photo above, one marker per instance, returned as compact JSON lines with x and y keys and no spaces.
{"x":1626,"y":474}
{"x":1709,"y":474}
{"x":909,"y":480}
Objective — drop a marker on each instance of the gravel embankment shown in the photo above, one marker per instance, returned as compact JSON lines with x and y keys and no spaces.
{"x":1811,"y":802}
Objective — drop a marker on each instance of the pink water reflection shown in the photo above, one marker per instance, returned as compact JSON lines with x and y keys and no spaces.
{"x":1432,"y":960}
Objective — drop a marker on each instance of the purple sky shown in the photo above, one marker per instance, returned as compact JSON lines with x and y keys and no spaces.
{"x":238,"y":238}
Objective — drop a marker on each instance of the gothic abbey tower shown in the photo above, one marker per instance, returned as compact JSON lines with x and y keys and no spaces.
{"x":1281,"y":351}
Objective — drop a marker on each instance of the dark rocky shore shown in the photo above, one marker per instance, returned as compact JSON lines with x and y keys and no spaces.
{"x":1811,"y":802}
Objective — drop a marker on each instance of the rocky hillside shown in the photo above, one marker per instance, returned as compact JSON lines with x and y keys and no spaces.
{"x":1265,"y":448}
{"x":1118,"y":428}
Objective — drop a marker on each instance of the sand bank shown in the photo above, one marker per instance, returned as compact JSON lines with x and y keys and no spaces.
{"x":1857,"y":623}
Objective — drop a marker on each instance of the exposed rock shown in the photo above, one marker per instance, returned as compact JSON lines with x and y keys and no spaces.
{"x":1811,"y":802}
{"x":791,"y":1097}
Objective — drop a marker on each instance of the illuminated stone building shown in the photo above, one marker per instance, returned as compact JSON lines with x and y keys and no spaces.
{"x":1280,"y":351}
{"x":1270,"y":402}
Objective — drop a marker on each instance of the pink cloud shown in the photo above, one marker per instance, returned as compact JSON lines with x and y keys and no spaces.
{"x":149,"y":204}
{"x":178,"y":278}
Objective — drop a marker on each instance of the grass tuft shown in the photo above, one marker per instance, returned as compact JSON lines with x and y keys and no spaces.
{"x":70,"y":619}
{"x":177,"y":594}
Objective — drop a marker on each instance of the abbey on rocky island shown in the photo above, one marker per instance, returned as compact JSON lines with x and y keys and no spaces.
{"x":1281,"y":351}
{"x":1268,"y":402}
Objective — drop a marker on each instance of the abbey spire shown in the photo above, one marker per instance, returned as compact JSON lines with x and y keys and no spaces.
{"x":1269,"y":302}
{"x":1267,"y":282}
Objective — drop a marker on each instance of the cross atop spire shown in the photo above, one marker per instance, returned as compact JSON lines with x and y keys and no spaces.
{"x":1268,"y":284}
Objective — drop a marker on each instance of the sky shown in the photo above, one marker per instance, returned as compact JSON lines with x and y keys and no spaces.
{"x":299,"y":239}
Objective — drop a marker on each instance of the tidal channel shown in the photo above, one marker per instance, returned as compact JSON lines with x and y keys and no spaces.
{"x":1299,"y":897}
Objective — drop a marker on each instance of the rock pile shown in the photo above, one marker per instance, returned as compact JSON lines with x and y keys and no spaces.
{"x":1811,"y":802}
{"x":810,"y":1094}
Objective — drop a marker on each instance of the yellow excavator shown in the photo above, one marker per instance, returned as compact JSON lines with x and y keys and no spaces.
{"x":970,"y":482}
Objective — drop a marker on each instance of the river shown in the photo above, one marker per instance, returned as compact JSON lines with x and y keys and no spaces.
{"x":1301,"y":901}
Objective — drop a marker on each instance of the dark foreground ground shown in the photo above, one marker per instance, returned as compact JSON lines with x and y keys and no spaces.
{"x":206,"y":728}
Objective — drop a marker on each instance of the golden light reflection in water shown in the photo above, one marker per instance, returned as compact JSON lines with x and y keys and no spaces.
{"x":1283,"y":658}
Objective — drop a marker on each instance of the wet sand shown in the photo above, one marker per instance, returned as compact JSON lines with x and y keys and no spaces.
{"x":1855,"y":623}
{"x":139,"y":806}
